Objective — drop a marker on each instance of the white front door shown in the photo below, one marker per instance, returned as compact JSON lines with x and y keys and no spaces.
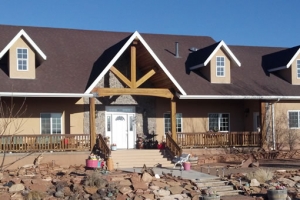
{"x":120,"y":130}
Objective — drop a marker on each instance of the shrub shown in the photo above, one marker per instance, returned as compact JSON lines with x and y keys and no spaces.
{"x":261,"y":175}
{"x":94,"y":179}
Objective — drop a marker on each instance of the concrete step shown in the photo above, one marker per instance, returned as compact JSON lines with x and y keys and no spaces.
{"x":137,"y":158}
{"x":230,"y":193}
{"x":211,"y":184}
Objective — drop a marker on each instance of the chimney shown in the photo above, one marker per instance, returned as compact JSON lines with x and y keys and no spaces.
{"x":176,"y":49}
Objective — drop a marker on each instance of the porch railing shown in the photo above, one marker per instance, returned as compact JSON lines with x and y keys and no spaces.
{"x":173,"y":146}
{"x":104,"y":148}
{"x":26,"y":143}
{"x":211,"y":139}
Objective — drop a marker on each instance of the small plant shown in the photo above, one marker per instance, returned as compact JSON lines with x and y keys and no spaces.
{"x":261,"y":175}
{"x":34,"y":195}
{"x":95,"y":180}
{"x":114,"y":144}
{"x":210,"y":192}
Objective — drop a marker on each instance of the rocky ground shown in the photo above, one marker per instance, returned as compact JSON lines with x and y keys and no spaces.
{"x":49,"y":181}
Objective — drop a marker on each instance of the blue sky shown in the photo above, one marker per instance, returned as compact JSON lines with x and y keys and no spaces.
{"x":237,"y":22}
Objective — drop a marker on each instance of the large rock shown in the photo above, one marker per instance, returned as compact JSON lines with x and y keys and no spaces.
{"x":254,"y":183}
{"x":176,"y":190}
{"x":159,"y":184}
{"x":125,"y":190}
{"x":125,"y":183}
{"x":59,"y":194}
{"x":172,"y":197}
{"x":139,"y":185}
{"x":147,"y":178}
{"x":287,"y":182}
{"x":161,"y":192}
{"x":90,"y":190}
{"x":16,"y":188}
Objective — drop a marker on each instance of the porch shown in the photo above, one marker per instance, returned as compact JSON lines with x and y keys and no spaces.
{"x":81,"y":142}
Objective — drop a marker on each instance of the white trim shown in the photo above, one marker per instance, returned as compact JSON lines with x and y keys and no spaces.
{"x":27,"y":59}
{"x":293,"y":58}
{"x":222,"y":43}
{"x":237,"y":97}
{"x":197,"y":66}
{"x":31,"y":42}
{"x":224,"y":66}
{"x":277,"y":68}
{"x":126,"y":45}
{"x":25,"y":94}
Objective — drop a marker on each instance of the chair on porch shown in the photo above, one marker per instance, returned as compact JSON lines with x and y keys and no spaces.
{"x":180,"y":160}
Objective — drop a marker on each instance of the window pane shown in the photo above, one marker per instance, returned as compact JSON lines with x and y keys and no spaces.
{"x":224,"y":122}
{"x":293,"y":119}
{"x":108,"y":123}
{"x":167,"y":122}
{"x":213,"y":122}
{"x":45,"y":123}
{"x":131,"y":123}
{"x":298,"y":68}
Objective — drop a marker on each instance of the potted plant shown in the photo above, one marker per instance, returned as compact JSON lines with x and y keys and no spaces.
{"x":277,"y":193}
{"x":113,"y":147}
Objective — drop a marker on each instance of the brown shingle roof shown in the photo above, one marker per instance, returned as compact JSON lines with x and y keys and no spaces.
{"x":76,"y":57}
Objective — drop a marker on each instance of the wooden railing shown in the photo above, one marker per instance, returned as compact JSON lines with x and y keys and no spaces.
{"x":211,"y":139}
{"x":45,"y":142}
{"x":104,"y":148}
{"x":173,"y":146}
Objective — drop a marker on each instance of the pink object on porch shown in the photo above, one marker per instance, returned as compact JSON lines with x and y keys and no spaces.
{"x":187,"y":166}
{"x":92,"y":163}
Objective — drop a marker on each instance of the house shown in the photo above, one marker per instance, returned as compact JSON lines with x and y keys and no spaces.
{"x":82,"y":82}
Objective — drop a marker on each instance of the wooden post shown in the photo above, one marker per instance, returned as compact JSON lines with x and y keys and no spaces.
{"x":92,"y":123}
{"x":133,"y":64}
{"x":173,"y":120}
{"x":263,"y":128}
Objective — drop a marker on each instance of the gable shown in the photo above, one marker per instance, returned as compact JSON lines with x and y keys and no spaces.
{"x":152,"y":57}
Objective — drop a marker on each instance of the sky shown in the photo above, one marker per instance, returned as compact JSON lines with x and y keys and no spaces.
{"x":237,"y":22}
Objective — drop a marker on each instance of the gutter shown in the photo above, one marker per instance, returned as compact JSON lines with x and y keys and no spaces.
{"x":26,"y":94}
{"x":237,"y":97}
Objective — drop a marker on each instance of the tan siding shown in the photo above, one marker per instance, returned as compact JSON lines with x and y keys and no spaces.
{"x":295,"y":80}
{"x":13,"y":71}
{"x":72,"y":110}
{"x":213,"y":75}
{"x":195,"y":114}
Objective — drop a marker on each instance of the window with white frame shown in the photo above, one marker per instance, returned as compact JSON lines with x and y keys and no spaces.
{"x":51,"y":123}
{"x":220,"y":66}
{"x":298,"y":68}
{"x":294,"y":119}
{"x":22,"y":59}
{"x":218,"y":122}
{"x":167,"y":122}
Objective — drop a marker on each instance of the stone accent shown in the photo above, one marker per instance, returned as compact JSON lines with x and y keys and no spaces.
{"x":145,"y":124}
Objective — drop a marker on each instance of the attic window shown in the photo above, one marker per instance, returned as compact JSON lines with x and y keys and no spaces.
{"x":298,"y":68}
{"x":22,"y":59}
{"x":220,"y":66}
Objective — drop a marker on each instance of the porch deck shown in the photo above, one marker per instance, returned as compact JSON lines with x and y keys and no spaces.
{"x":81,"y":142}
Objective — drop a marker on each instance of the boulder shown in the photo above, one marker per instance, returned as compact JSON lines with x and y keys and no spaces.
{"x":254,"y":183}
{"x":16,"y":188}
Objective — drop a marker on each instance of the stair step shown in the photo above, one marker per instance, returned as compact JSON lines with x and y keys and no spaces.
{"x":211,"y":183}
{"x":230,"y":193}
{"x":220,"y":188}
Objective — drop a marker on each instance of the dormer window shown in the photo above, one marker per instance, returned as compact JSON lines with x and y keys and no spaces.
{"x":298,"y":68}
{"x":220,"y":66}
{"x":22,"y":59}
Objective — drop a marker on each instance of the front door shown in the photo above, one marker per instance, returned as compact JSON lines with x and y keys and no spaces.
{"x":120,"y":126}
{"x":120,"y":130}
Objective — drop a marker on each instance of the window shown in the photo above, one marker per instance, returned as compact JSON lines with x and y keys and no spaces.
{"x":218,"y":121}
{"x":298,"y":68}
{"x":167,"y":119}
{"x":108,"y":123}
{"x":51,"y":123}
{"x":22,"y":59}
{"x":220,"y":66}
{"x":294,"y":119}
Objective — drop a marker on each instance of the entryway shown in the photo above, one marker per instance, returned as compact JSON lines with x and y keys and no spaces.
{"x":120,"y":126}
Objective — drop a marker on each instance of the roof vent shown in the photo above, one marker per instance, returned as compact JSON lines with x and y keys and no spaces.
{"x":176,"y":49}
{"x":193,"y":49}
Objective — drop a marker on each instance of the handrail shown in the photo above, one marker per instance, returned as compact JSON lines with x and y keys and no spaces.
{"x":173,"y":146}
{"x":219,"y":139}
{"x":104,"y":148}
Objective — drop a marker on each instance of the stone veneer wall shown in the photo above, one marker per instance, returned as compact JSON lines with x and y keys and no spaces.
{"x":144,"y":123}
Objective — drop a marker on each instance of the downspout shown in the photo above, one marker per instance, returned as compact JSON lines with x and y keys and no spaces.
{"x":273,"y":124}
